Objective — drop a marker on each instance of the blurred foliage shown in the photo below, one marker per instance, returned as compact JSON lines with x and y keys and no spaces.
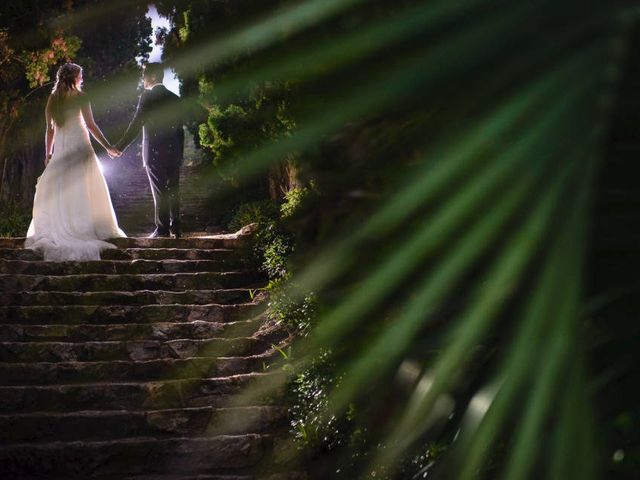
{"x":456,"y":149}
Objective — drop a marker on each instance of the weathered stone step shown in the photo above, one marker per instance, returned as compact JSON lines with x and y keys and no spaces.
{"x":141,"y":297}
{"x":115,"y":314}
{"x":105,"y":425}
{"x":191,"y":392}
{"x":130,"y":282}
{"x":225,"y":254}
{"x":127,"y":350}
{"x":64,"y":373}
{"x":136,"y":254}
{"x":112,"y":267}
{"x":290,"y":475}
{"x":231,"y":240}
{"x":213,"y":241}
{"x":19,"y":254}
{"x":114,"y":458}
{"x":125,"y":331}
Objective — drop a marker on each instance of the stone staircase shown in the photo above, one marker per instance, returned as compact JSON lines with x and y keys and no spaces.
{"x":137,"y":366}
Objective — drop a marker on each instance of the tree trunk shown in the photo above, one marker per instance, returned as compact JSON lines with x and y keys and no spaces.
{"x":22,"y":164}
{"x":284,"y":176}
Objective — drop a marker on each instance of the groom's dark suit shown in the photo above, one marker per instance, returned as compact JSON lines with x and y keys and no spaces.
{"x":159,"y":117}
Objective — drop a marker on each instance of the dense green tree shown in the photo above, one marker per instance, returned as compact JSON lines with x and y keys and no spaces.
{"x":254,"y":114}
{"x":30,"y":47}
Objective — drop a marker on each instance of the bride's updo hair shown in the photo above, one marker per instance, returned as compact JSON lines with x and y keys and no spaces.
{"x":66,"y":82}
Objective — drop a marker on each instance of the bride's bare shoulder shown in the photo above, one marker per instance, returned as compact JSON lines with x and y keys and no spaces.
{"x":80,"y":96}
{"x":79,"y":100}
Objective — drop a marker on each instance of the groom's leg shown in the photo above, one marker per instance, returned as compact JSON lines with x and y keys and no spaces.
{"x":174,"y":197}
{"x":158,"y":181}
{"x":154,"y":193}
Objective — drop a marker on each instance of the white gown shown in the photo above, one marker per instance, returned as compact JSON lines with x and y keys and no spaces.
{"x":72,"y":210}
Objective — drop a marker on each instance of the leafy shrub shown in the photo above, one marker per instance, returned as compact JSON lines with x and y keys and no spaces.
{"x":311,"y":428}
{"x":281,"y":308}
{"x":263,"y":212}
{"x":259,"y":114}
{"x":316,"y":432}
{"x":14,"y":220}
{"x":293,"y":199}
{"x":275,"y":258}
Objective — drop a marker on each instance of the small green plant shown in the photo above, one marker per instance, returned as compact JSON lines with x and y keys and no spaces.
{"x":254,"y":291}
{"x":284,"y":354}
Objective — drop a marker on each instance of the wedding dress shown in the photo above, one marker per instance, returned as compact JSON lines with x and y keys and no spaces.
{"x":72,"y":210}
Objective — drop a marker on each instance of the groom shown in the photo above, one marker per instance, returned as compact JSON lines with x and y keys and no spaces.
{"x":158,"y":116}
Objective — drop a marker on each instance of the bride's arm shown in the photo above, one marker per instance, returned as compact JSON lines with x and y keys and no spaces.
{"x":87,"y":113}
{"x":51,"y":133}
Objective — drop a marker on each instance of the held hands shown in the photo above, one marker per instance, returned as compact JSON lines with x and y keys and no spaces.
{"x":113,"y":152}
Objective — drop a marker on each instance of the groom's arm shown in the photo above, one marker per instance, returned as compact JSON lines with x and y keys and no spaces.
{"x":133,"y":130}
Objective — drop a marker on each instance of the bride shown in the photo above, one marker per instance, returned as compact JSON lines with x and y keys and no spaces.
{"x":72,"y":210}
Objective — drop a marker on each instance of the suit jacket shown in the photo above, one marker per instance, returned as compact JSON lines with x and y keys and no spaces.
{"x":159,"y":116}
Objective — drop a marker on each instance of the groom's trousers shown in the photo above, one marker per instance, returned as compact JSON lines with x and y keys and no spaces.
{"x":164,"y":177}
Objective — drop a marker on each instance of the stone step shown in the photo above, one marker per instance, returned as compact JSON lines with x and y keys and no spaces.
{"x":20,"y":352}
{"x":130,"y":282}
{"x":65,"y":373}
{"x":141,"y":297}
{"x":223,"y":254}
{"x":210,"y":242}
{"x":290,"y":475}
{"x":144,"y":455}
{"x":153,"y":395}
{"x":111,"y":267}
{"x":226,"y":254}
{"x":138,"y":208}
{"x":116,"y":314}
{"x":106,"y":425}
{"x":141,"y":198}
{"x":230,"y":240}
{"x":126,"y":331}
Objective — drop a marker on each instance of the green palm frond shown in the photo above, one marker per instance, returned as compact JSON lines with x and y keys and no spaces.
{"x":521,"y":213}
{"x":463,"y":252}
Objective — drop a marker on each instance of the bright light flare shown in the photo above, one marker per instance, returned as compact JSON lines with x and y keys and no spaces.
{"x":103,"y":168}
